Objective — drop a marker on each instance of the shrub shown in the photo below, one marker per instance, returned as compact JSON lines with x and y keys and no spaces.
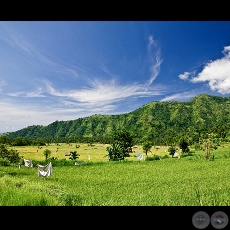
{"x":4,"y":162}
{"x":186,"y":154}
{"x":153,"y":158}
{"x":9,"y":155}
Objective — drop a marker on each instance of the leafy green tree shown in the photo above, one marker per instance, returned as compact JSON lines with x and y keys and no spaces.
{"x":11,"y":155}
{"x":183,"y":144}
{"x":121,"y":147}
{"x":147,"y":145}
{"x":125,"y":140}
{"x":74,"y":155}
{"x":3,"y":139}
{"x":47,"y":153}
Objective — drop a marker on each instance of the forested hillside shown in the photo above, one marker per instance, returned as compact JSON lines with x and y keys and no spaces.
{"x":158,"y":121}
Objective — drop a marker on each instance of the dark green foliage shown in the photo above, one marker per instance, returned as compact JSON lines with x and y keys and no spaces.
{"x":187,"y":154}
{"x":4,"y":162}
{"x":47,"y":153}
{"x":183,"y":144}
{"x":121,"y":146}
{"x":8,"y":156}
{"x":74,"y":155}
{"x":115,"y":153}
{"x":172,"y":150}
{"x":153,"y":158}
{"x":3,"y":139}
{"x":125,"y":141}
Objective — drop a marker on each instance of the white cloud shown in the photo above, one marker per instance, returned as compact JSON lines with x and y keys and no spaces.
{"x":184,"y":76}
{"x":36,"y":93}
{"x":24,"y":115}
{"x":216,"y":73}
{"x":100,"y":97}
{"x":180,"y":96}
{"x":154,"y":59}
{"x":226,"y":51}
{"x":106,"y":92}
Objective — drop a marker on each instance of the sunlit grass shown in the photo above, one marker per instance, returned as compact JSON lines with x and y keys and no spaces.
{"x":189,"y":181}
{"x":169,"y":182}
{"x":97,"y":152}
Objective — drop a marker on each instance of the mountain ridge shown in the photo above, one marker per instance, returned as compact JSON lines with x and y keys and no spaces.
{"x":153,"y":120}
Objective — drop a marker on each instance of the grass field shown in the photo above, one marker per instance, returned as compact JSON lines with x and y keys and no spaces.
{"x":188,"y":181}
{"x":97,"y":152}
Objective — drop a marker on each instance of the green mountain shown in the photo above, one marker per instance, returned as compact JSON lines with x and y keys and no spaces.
{"x":157,"y":120}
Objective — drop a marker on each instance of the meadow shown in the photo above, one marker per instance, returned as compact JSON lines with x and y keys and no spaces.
{"x":187,"y":181}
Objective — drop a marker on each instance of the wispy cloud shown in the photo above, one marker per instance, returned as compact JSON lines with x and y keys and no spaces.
{"x":97,"y":91}
{"x":106,"y":92}
{"x":42,"y":62}
{"x":18,"y":42}
{"x":36,"y":93}
{"x":99,"y":97}
{"x":155,"y":59}
{"x":180,"y":96}
{"x":44,"y":102}
{"x":216,"y":73}
{"x":15,"y":116}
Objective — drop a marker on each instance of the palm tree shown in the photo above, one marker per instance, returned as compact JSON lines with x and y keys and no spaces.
{"x":74,"y":155}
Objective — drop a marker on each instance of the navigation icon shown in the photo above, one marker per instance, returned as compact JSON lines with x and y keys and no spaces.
{"x":219,"y":220}
{"x":201,"y":220}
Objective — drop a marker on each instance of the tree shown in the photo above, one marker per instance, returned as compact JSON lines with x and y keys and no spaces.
{"x":183,"y":144}
{"x":8,"y":156}
{"x":74,"y":155}
{"x":115,"y":152}
{"x":47,"y":153}
{"x":125,"y":140}
{"x":147,"y":145}
{"x":122,"y":143}
{"x":3,"y":139}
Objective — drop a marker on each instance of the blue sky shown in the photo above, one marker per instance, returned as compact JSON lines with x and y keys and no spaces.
{"x":64,"y":70}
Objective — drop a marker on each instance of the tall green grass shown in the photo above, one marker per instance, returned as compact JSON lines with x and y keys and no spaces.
{"x":167,"y":182}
